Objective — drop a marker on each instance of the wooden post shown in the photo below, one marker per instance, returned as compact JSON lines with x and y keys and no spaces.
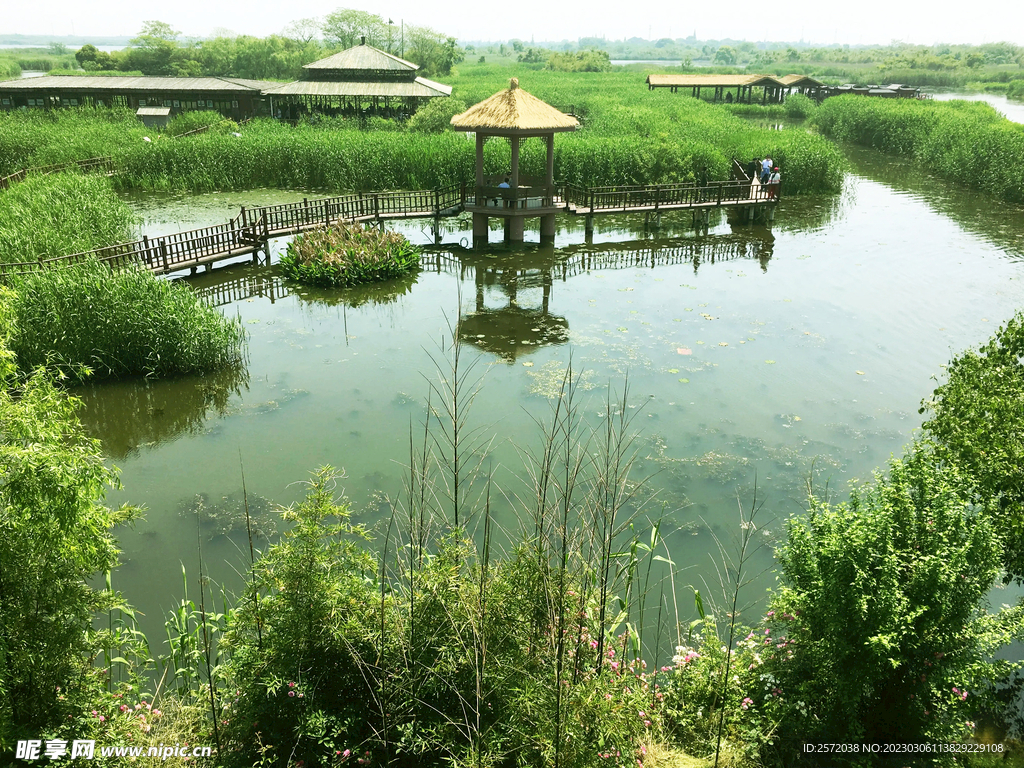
{"x":719,"y":193}
{"x":145,"y":240}
{"x":376,"y":207}
{"x":163,"y":254}
{"x":305,"y":211}
{"x":243,"y":217}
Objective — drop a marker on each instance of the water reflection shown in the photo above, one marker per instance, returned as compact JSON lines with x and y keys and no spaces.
{"x":977,"y":212}
{"x":514,"y":328}
{"x":135,"y":413}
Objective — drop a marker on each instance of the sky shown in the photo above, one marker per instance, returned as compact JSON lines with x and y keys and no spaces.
{"x":866,"y":22}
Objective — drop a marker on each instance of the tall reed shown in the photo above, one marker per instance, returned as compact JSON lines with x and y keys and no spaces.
{"x":119,"y":324}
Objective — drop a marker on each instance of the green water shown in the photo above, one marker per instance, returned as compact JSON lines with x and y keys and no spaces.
{"x":803,"y":351}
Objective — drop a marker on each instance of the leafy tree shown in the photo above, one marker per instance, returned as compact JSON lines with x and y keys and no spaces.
{"x":304,"y":30}
{"x":977,"y":422}
{"x":152,"y":51}
{"x":883,"y":603}
{"x":436,"y":116}
{"x":726,"y":55}
{"x":435,"y":52}
{"x":344,"y":27}
{"x":54,"y":536}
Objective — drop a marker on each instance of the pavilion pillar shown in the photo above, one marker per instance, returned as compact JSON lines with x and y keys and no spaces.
{"x":547,"y":226}
{"x":515,"y":162}
{"x":551,"y":161}
{"x":479,"y":159}
{"x":480,"y":226}
{"x":516,"y":228}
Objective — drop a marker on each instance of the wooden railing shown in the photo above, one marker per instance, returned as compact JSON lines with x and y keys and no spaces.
{"x":252,"y":228}
{"x":91,"y":165}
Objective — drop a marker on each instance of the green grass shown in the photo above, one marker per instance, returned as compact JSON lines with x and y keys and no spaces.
{"x":118,"y":324}
{"x":60,"y":214}
{"x":968,"y":143}
{"x":629,"y":136}
{"x":347,"y":255}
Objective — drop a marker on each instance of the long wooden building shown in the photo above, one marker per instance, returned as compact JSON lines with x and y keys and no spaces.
{"x":351,"y":82}
{"x":232,"y":97}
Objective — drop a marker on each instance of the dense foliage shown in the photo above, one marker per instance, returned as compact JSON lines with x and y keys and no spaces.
{"x":60,"y":214}
{"x":968,"y":143}
{"x":976,"y":419}
{"x":55,"y":534}
{"x":345,"y":255}
{"x":884,"y":603}
{"x":121,"y":323}
{"x":629,"y":136}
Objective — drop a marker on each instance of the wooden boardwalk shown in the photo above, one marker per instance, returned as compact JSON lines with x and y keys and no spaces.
{"x":253,"y":228}
{"x":578,"y":260}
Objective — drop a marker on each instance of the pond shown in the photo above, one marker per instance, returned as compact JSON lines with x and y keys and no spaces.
{"x":783,"y":355}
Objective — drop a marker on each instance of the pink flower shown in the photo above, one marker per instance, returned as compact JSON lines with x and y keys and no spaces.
{"x":607,"y":697}
{"x":102,"y":718}
{"x":615,"y":665}
{"x":346,"y":753}
{"x":747,"y":702}
{"x":593,"y":643}
{"x":647,"y":723}
{"x":611,"y":653}
{"x":642,"y":713}
{"x":291,"y":685}
{"x":291,"y":693}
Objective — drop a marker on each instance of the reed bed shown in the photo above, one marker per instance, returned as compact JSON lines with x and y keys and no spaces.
{"x":968,"y":143}
{"x":347,"y":255}
{"x":60,"y":214}
{"x":629,"y":136}
{"x":118,"y":324}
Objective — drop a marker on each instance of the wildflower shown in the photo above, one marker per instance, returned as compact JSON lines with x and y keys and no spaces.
{"x":593,"y":643}
{"x":291,"y":685}
{"x":102,"y":718}
{"x":747,"y":702}
{"x":611,"y":653}
{"x":647,"y":723}
{"x":157,"y":712}
{"x":607,"y":697}
{"x":615,"y":665}
{"x":642,"y":713}
{"x":291,"y":693}
{"x":346,"y":753}
{"x":769,"y":614}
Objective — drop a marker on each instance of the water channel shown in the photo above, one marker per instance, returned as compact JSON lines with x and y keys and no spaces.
{"x":798,"y":352}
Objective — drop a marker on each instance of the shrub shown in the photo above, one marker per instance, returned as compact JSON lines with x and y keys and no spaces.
{"x":976,"y":419}
{"x":345,"y":255}
{"x":120,"y":323}
{"x":883,"y":608}
{"x":436,"y":116}
{"x":1015,"y":90}
{"x":800,"y":106}
{"x":55,"y":536}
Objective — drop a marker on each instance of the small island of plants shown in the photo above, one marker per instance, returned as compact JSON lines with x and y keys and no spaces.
{"x":346,"y":254}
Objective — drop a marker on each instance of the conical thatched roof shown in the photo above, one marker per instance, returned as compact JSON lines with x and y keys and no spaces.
{"x":362,"y":58}
{"x":513,"y":110}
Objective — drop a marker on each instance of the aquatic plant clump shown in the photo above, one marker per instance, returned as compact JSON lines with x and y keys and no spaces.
{"x":349,"y":254}
{"x":59,"y":214}
{"x":117,"y":324}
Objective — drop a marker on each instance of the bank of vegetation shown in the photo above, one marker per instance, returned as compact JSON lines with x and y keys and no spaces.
{"x":436,"y":640}
{"x":629,"y":136}
{"x":968,"y":143}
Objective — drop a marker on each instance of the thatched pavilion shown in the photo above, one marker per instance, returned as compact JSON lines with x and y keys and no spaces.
{"x":359,"y":78}
{"x":513,"y":114}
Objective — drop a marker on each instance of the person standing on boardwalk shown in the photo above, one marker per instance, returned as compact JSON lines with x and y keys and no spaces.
{"x":774,"y":181}
{"x":754,"y":168}
{"x":766,"y":169}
